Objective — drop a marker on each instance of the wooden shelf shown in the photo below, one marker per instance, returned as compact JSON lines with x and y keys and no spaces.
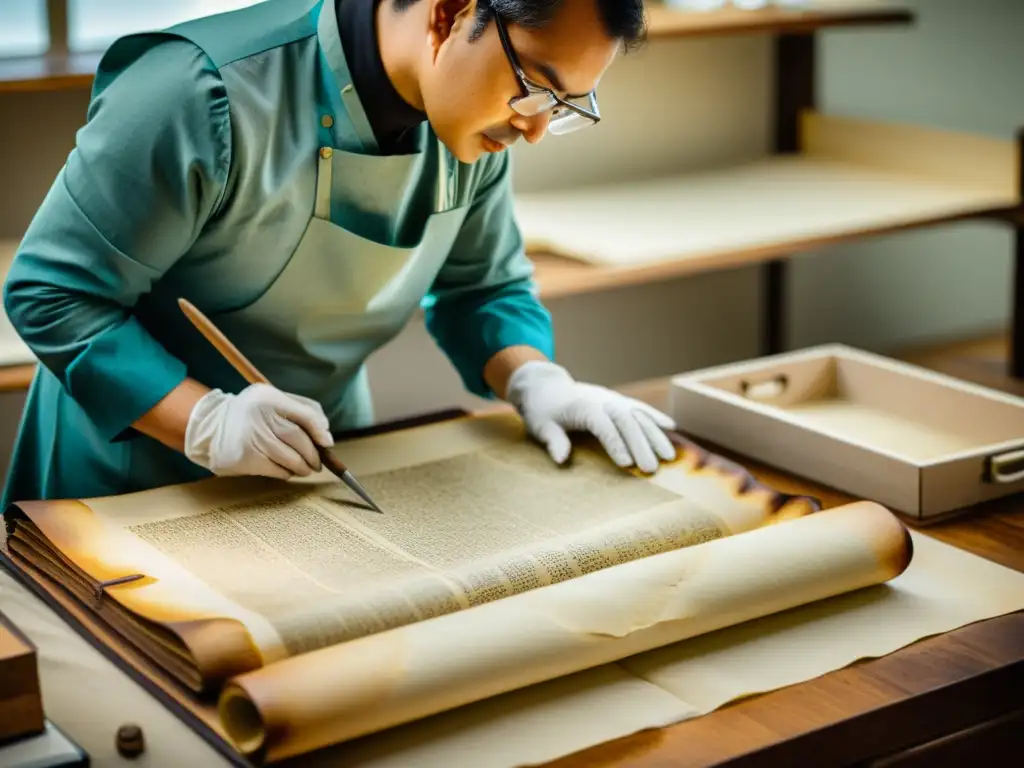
{"x":50,"y":72}
{"x":667,"y":22}
{"x":852,"y":179}
{"x":17,"y":363}
{"x":16,"y":378}
{"x":53,"y":72}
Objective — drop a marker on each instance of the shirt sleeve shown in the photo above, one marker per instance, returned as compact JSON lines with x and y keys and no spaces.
{"x":148,"y":169}
{"x":484,"y":298}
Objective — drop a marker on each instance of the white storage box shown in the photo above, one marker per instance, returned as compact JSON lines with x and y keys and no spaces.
{"x":919,"y":442}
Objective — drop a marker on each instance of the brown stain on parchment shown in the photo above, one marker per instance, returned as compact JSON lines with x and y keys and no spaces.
{"x":741,"y":485}
{"x":68,"y":530}
{"x":889,"y":536}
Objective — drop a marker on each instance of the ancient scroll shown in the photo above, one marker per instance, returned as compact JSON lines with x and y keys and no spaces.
{"x":317,"y":621}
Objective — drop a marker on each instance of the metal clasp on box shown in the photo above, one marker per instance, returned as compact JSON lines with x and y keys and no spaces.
{"x":1006,"y":467}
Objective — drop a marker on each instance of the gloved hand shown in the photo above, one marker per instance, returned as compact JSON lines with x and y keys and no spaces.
{"x":260,"y":431}
{"x":550,"y":402}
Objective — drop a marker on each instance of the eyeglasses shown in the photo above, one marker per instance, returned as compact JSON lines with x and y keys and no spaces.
{"x":537,"y":99}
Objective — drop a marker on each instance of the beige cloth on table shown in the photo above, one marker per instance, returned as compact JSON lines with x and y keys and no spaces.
{"x":944,"y":588}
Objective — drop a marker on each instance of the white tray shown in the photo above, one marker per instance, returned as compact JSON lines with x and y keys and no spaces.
{"x":919,"y":442}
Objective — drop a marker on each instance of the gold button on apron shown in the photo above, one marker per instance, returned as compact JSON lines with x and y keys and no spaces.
{"x":326,"y":121}
{"x":326,"y":152}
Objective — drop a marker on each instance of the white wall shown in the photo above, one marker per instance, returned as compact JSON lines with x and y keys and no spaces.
{"x":960,"y":69}
{"x":679,"y":105}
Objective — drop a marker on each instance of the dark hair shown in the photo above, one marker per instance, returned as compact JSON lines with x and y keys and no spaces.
{"x":623,"y":19}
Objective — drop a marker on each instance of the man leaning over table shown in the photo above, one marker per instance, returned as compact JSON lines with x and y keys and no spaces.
{"x":307,"y":174}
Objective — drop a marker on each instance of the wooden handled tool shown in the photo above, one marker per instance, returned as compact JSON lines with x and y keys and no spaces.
{"x":249,"y":372}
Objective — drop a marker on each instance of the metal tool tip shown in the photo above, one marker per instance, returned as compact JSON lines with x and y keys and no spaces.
{"x":360,"y":491}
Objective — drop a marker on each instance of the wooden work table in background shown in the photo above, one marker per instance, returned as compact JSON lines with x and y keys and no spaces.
{"x":954,"y":699}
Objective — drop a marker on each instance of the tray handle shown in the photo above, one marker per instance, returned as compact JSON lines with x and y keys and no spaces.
{"x":765,"y":389}
{"x":1006,"y":467}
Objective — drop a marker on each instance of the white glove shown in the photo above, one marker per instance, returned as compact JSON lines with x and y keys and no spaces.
{"x":550,"y":402}
{"x":260,"y":431}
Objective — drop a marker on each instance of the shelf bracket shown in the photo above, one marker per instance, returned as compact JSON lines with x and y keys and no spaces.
{"x":57,"y":23}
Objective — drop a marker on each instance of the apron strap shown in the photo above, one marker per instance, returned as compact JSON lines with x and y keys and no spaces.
{"x":443,"y":200}
{"x":322,"y":206}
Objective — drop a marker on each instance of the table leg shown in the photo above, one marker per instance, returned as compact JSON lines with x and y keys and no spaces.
{"x":795,"y":84}
{"x":1017,"y":306}
{"x":1017,"y":298}
{"x":773,"y":312}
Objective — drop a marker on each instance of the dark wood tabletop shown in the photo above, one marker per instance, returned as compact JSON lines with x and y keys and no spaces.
{"x":955,"y":699}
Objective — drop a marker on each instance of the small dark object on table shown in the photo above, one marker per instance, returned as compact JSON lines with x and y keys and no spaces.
{"x":129,"y":741}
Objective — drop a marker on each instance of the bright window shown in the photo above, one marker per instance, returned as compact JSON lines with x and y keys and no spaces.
{"x":94,"y":24}
{"x":23,"y":28}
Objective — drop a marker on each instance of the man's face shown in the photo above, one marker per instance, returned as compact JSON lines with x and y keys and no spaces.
{"x":466,"y":86}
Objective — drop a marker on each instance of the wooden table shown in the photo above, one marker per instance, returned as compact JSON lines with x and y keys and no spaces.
{"x":955,"y":699}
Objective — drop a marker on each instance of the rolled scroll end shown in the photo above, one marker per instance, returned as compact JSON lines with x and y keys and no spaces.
{"x":888,"y":535}
{"x":243,"y":722}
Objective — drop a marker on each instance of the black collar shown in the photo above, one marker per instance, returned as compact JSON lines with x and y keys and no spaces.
{"x":391,"y":117}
